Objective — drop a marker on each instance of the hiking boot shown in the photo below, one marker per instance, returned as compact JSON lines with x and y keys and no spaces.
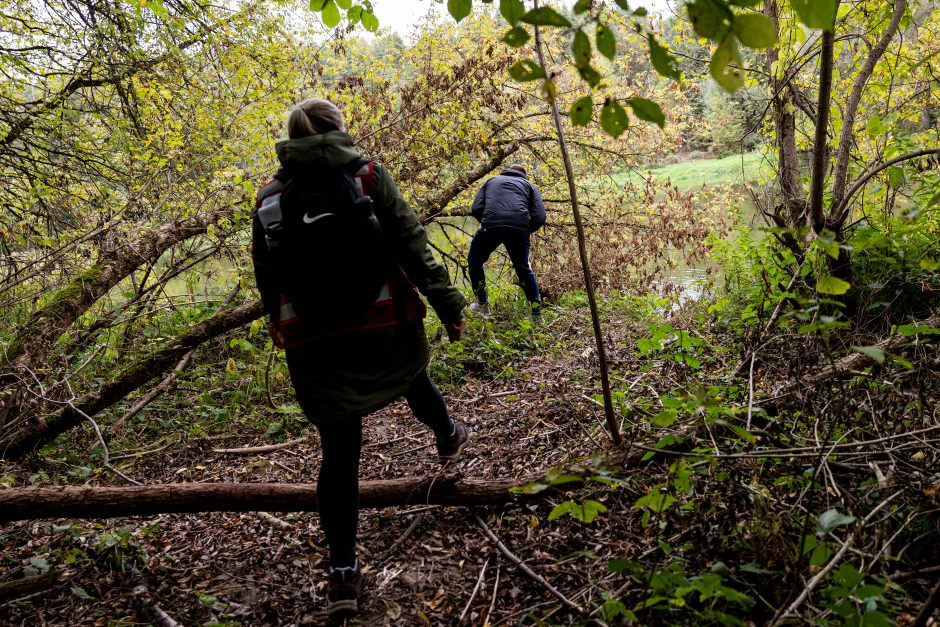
{"x":342,"y":594}
{"x":480,"y":309}
{"x":450,"y":448}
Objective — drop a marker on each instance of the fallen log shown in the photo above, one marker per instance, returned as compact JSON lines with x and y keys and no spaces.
{"x":849,"y":366}
{"x":112,"y":502}
{"x":41,"y":430}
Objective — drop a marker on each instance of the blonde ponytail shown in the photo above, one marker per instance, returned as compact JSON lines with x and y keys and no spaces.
{"x":312,"y":117}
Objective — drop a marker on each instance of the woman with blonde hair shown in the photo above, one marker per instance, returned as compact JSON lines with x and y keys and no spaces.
{"x":345,"y":362}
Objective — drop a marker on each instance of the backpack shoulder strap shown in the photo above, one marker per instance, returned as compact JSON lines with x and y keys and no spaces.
{"x":361,"y":170}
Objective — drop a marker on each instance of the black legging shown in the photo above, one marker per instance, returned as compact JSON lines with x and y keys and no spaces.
{"x":338,"y":483}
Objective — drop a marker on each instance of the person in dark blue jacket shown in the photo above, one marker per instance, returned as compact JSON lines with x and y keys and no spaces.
{"x":509,"y":209}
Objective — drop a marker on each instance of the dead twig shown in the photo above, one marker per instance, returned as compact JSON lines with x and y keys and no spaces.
{"x":525,"y":569}
{"x":258,"y":450}
{"x":29,"y":585}
{"x":932,"y":602}
{"x":403,"y":537}
{"x":476,"y":589}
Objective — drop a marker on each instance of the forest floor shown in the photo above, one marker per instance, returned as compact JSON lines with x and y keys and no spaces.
{"x":691,"y":536}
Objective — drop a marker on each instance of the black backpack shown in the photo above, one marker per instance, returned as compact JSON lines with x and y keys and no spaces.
{"x":330,"y":255}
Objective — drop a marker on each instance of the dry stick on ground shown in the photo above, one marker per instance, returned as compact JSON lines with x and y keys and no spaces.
{"x":258,"y":450}
{"x":932,"y":602}
{"x":493,"y":599}
{"x":274,"y":520}
{"x":582,"y":251}
{"x":476,"y":589}
{"x":105,"y":454}
{"x":28,"y":585}
{"x":143,"y":604}
{"x":522,"y":566}
{"x":812,"y":583}
{"x":402,"y":538}
{"x":159,"y":389}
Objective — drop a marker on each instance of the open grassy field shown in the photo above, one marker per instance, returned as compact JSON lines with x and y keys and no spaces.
{"x":692,"y":174}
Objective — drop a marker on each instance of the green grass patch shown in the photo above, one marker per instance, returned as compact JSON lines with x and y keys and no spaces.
{"x":733,"y":170}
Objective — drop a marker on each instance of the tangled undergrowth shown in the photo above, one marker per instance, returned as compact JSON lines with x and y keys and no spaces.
{"x":795,"y":483}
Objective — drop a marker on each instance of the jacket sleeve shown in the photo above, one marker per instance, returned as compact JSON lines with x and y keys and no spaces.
{"x":479,"y":203}
{"x":537,"y":215}
{"x":409,"y":246}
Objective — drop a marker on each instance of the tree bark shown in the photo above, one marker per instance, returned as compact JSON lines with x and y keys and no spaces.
{"x":97,"y":502}
{"x":40,"y":430}
{"x":821,"y":143}
{"x":785,"y":124}
{"x":611,"y":418}
{"x":840,"y":174}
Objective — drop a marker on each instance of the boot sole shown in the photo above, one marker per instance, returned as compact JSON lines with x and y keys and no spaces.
{"x":344,"y":607}
{"x":456,"y":454}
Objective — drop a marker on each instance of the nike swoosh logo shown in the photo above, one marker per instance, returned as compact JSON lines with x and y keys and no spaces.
{"x":309,"y":220}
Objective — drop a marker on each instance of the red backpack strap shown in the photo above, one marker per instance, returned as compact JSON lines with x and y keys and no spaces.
{"x":366,"y":178}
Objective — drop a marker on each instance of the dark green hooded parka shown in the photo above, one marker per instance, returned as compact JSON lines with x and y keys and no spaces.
{"x":358,"y":372}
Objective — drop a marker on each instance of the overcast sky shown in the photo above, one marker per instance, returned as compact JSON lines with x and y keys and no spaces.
{"x":401,"y":15}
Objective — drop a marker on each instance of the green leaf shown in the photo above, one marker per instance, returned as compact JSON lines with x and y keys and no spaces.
{"x":606,"y":43}
{"x":817,"y":13}
{"x":512,"y":10}
{"x":582,"y":111}
{"x":81,"y":593}
{"x":614,"y":118}
{"x":545,"y":16}
{"x":641,"y":12}
{"x":590,"y":75}
{"x":830,"y":519}
{"x":344,"y":4}
{"x":648,"y":111}
{"x":754,"y":30}
{"x":561,"y":509}
{"x":897,"y":176}
{"x":655,"y":501}
{"x":875,"y":127}
{"x":526,"y":70}
{"x":516,"y":37}
{"x":907,"y":330}
{"x":820,"y":554}
{"x":590,"y":509}
{"x":369,"y":21}
{"x":317,"y":5}
{"x":935,"y":199}
{"x":832,"y":285}
{"x":731,"y":78}
{"x":623,"y":565}
{"x":581,"y":6}
{"x":664,"y":418}
{"x":354,"y":14}
{"x":663,"y":60}
{"x":709,"y":19}
{"x":874,"y":352}
{"x":581,"y":49}
{"x":459,"y":9}
{"x":330,"y":14}
{"x":929,"y":263}
{"x":623,"y":4}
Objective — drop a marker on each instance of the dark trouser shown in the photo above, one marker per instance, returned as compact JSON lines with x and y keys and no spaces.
{"x":338,"y":483}
{"x":516,"y":242}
